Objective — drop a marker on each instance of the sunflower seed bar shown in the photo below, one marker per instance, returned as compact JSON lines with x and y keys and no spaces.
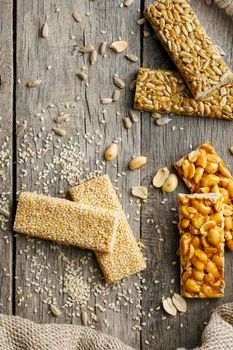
{"x":65,"y":222}
{"x":203,"y":171}
{"x":166,"y":92}
{"x":184,"y":38}
{"x":126,"y":258}
{"x":201,"y":245}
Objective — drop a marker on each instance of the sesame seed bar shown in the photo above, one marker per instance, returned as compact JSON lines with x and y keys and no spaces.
{"x":64,"y":222}
{"x":186,"y":41}
{"x":126,"y":258}
{"x":203,"y":171}
{"x":166,"y":92}
{"x":201,"y":245}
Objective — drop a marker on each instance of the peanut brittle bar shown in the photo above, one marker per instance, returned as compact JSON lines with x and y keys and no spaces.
{"x":166,"y":92}
{"x":65,"y":222}
{"x":203,"y":171}
{"x":189,"y":46}
{"x":126,"y":258}
{"x":201,"y":245}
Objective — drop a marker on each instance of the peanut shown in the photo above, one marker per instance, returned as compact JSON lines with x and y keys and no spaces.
{"x":214,"y":237}
{"x":140,"y":192}
{"x":198,"y":275}
{"x":201,"y":255}
{"x":170,"y":184}
{"x":179,"y":302}
{"x":169,"y":307}
{"x":137,"y":163}
{"x":111,"y":152}
{"x":160,"y":177}
{"x":192,"y":286}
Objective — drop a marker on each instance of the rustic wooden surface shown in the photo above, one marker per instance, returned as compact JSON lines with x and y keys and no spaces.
{"x":6,"y":149}
{"x":56,"y":61}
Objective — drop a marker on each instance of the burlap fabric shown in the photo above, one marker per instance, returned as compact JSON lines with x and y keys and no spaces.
{"x":218,"y":334}
{"x":227,"y":5}
{"x":21,"y":334}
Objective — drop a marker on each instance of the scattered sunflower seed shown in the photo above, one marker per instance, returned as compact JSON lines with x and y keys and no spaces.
{"x":45,"y":31}
{"x":131,"y":57}
{"x":55,"y":310}
{"x":119,"y":46}
{"x":106,"y":100}
{"x":86,"y":48}
{"x":5,"y":212}
{"x":128,"y":3}
{"x":82,"y":76}
{"x":127,"y":123}
{"x":116,"y":95}
{"x":133,"y":116}
{"x":93,"y":57}
{"x":140,"y":192}
{"x":76,"y":16}
{"x":59,"y":131}
{"x":33,"y":83}
{"x":61,"y":118}
{"x":141,"y":21}
{"x":84,"y":317}
{"x":163,"y":121}
{"x":118,"y":82}
{"x":102,"y":48}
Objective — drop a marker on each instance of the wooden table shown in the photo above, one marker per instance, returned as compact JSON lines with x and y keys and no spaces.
{"x":37,"y":161}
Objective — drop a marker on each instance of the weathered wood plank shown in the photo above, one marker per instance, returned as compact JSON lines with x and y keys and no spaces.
{"x":162,"y":146}
{"x":6,"y":154}
{"x":38,"y":263}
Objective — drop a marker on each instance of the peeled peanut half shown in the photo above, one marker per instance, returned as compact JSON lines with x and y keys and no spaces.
{"x":170,"y":184}
{"x":168,"y":306}
{"x":160,"y":177}
{"x":179,"y":302}
{"x":140,"y":192}
{"x":111,"y":152}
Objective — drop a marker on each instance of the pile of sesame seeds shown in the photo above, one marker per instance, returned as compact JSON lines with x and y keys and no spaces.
{"x":77,"y":289}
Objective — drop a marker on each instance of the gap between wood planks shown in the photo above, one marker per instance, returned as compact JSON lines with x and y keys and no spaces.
{"x":14,"y":150}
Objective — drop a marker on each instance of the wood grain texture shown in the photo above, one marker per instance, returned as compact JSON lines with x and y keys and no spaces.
{"x":163,"y":146}
{"x":6,"y":156}
{"x":51,"y":164}
{"x":57,"y":93}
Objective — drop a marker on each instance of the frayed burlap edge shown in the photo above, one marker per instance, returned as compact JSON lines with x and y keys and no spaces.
{"x":21,"y":334}
{"x":218,"y":334}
